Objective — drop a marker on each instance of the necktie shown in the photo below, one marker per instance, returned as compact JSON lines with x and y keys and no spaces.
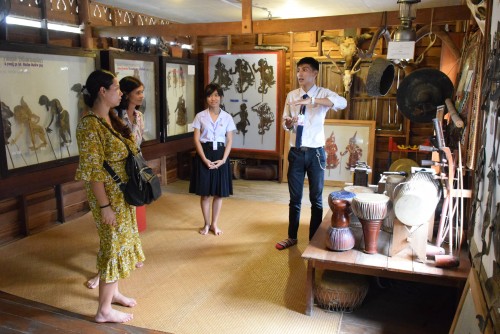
{"x":300,"y":128}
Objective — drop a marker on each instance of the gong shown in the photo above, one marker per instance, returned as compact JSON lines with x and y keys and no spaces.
{"x":421,"y":92}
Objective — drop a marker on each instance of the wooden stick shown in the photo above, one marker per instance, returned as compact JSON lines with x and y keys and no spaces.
{"x":455,"y":117}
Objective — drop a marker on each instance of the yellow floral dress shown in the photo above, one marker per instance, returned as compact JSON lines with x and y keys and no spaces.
{"x":120,"y":247}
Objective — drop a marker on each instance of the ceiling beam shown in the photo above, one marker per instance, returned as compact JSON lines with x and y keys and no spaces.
{"x":440,"y":15}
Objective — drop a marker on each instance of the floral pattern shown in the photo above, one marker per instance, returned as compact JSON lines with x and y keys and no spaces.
{"x":120,"y":247}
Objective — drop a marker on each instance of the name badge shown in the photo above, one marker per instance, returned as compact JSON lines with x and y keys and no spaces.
{"x":214,"y":145}
{"x":301,"y":119}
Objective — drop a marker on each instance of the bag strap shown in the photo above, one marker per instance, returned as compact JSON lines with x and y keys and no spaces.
{"x":105,"y":164}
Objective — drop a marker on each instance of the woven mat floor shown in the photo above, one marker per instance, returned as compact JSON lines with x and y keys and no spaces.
{"x":233,"y":283}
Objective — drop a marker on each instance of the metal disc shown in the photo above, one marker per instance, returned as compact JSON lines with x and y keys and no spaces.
{"x":421,"y":92}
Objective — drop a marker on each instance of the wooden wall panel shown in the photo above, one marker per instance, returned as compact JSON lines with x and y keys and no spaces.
{"x":10,"y":221}
{"x":171,"y":166}
{"x":42,"y":210}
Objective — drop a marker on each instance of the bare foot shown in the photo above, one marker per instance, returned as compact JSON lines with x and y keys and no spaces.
{"x":139,"y":264}
{"x":93,"y":282}
{"x":120,"y":299}
{"x":114,"y":316}
{"x":216,"y":230}
{"x":204,"y":230}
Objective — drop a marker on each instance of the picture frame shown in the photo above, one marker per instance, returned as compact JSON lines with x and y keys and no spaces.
{"x":253,"y":85}
{"x":42,"y":102}
{"x":344,"y":139}
{"x":468,"y":104}
{"x":179,"y":96}
{"x":144,"y":67}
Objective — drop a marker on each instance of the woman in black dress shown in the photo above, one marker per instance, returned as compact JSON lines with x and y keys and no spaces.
{"x":212,"y":177}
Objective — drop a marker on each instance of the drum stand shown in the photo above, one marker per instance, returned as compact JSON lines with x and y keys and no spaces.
{"x":416,"y":237}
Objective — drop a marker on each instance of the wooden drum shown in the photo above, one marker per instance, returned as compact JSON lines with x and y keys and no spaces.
{"x":371,"y":209}
{"x":339,"y":236}
{"x":415,"y":200}
{"x":390,"y":185}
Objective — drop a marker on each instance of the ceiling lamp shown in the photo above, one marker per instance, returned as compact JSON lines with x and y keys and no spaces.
{"x":407,"y":13}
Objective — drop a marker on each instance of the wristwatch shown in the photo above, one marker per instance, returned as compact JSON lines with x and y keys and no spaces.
{"x":313,"y":99}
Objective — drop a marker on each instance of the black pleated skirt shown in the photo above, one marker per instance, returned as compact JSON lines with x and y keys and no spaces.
{"x":211,"y":182}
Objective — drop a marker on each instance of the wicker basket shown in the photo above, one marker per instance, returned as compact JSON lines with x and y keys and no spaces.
{"x":338,"y":291}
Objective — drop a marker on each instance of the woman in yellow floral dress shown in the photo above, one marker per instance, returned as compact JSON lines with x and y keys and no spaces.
{"x":120,"y":247}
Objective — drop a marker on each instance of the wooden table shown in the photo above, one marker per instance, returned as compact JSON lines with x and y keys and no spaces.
{"x":401,"y":266}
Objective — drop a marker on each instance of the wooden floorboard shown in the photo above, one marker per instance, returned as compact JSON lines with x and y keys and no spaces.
{"x":19,"y":315}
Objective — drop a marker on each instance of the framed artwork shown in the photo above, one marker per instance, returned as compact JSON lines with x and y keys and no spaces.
{"x":41,"y":102}
{"x":145,"y":68}
{"x":253,"y":87}
{"x":179,"y":77}
{"x":346,"y":143}
{"x":468,"y":99}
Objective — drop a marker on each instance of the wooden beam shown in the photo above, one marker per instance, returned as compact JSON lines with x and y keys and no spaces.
{"x":246,"y":16}
{"x":371,"y":20}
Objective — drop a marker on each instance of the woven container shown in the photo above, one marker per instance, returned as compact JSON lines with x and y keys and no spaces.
{"x":238,"y":167}
{"x":338,"y":291}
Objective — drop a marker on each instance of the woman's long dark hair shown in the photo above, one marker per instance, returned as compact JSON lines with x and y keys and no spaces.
{"x":127,"y":85}
{"x":96,"y":80}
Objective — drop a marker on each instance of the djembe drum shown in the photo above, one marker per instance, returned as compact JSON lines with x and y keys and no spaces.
{"x":371,"y":209}
{"x":357,"y":190}
{"x":339,"y":236}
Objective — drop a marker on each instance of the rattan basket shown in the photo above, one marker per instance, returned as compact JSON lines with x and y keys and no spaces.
{"x":338,"y":291}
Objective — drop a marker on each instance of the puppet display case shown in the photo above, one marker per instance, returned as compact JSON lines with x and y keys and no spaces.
{"x":41,"y":103}
{"x":179,"y":96}
{"x":253,"y":87}
{"x":144,"y":67}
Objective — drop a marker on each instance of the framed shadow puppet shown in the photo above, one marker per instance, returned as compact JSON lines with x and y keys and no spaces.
{"x":252,"y":87}
{"x":41,"y":101}
{"x":179,"y":77}
{"x":146,"y":69}
{"x":346,"y":143}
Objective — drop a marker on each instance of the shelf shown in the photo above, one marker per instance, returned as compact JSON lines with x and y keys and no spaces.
{"x":386,"y":133}
{"x":393,"y":147}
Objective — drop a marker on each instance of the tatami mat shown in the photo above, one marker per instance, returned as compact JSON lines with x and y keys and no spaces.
{"x":234,"y":283}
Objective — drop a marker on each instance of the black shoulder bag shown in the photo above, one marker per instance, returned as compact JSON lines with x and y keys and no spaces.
{"x":143,"y":186}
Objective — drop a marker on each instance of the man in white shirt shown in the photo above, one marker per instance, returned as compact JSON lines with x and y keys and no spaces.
{"x":304,"y":117}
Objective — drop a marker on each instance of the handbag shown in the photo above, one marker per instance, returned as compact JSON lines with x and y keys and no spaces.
{"x":143,"y":185}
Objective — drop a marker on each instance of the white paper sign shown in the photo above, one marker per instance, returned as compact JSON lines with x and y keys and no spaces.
{"x":400,"y":50}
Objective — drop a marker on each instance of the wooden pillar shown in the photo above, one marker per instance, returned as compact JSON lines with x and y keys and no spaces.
{"x":246,"y":16}
{"x":84,"y":17}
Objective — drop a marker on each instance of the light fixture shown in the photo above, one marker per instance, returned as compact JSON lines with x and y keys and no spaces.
{"x":407,"y":13}
{"x":37,"y":24}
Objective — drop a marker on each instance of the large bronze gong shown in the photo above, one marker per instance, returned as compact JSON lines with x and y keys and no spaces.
{"x":421,"y":92}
